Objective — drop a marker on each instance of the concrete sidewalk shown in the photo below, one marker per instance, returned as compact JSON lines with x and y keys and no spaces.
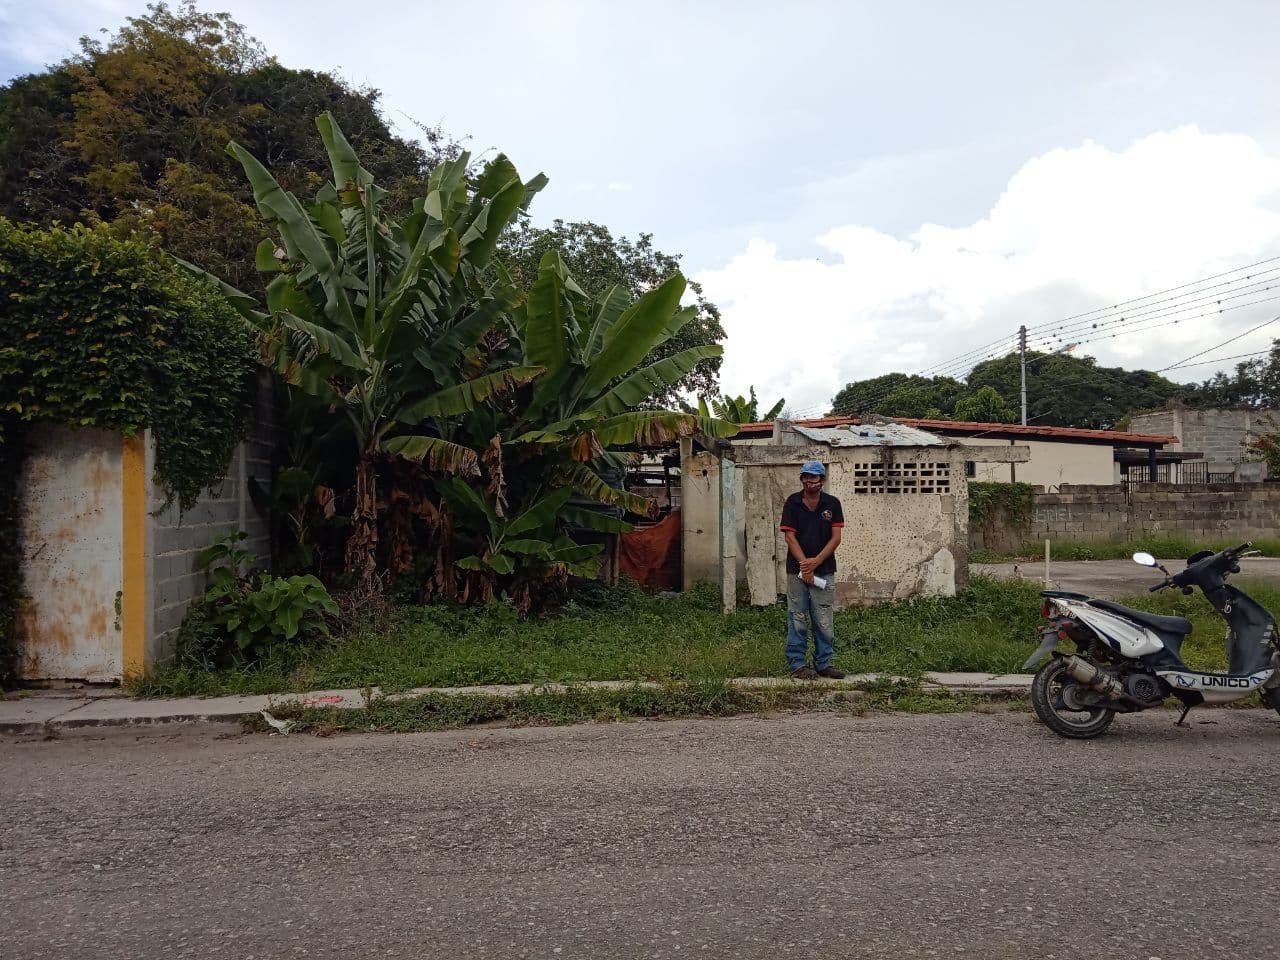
{"x":33,"y":711}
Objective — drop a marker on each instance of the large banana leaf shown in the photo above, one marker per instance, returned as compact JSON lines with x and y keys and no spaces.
{"x":548,"y":318}
{"x":540,"y":516}
{"x":612,"y":305}
{"x":466,"y":396}
{"x":655,"y":427}
{"x":346,"y":165}
{"x":435,"y":454}
{"x":582,"y":479}
{"x":652,"y":380}
{"x":595,"y":520}
{"x":303,"y":241}
{"x":468,"y":505}
{"x":633,"y":335}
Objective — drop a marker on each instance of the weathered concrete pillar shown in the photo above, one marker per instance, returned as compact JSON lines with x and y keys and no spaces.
{"x":728,"y":537}
{"x":700,"y":519}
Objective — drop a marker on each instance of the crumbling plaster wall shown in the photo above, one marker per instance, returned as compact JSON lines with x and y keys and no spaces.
{"x":894,"y":545}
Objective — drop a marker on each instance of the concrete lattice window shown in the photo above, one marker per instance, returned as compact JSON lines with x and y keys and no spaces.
{"x":910,"y":477}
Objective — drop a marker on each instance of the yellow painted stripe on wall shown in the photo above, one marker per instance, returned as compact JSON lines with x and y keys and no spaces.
{"x":133,"y":601}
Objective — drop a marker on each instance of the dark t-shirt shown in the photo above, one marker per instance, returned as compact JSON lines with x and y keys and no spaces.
{"x":812,"y":528}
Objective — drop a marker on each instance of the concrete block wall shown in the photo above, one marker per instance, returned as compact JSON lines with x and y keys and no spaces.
{"x":1222,"y":435}
{"x":1111,"y":514}
{"x":179,"y":536}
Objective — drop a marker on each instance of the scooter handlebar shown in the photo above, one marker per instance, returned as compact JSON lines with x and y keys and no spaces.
{"x":1159,"y":586}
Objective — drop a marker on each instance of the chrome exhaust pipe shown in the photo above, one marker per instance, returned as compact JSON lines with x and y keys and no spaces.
{"x":1090,"y":676}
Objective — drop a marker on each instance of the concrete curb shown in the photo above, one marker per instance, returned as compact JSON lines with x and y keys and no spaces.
{"x":39,"y":712}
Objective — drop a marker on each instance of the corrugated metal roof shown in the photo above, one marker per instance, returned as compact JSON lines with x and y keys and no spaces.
{"x":964,"y":430}
{"x":870,"y":435}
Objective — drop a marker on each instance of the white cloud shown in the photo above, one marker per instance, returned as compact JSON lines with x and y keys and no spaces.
{"x":1075,"y":229}
{"x":52,"y":33}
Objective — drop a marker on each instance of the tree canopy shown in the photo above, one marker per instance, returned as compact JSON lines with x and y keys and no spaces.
{"x":131,"y":132}
{"x":1062,"y":390}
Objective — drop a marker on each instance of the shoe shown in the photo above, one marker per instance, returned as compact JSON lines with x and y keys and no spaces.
{"x":804,"y":673}
{"x":831,"y":673}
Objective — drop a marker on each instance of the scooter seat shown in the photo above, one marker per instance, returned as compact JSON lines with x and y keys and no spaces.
{"x":1177,"y":625}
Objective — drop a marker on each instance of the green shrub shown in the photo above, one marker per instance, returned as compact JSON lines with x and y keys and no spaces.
{"x":251,"y":614}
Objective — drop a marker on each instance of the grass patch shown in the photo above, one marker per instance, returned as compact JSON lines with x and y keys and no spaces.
{"x":1165,"y":548}
{"x":706,"y":698}
{"x":625,"y":634}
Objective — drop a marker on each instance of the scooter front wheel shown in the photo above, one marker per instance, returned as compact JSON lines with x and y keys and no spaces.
{"x":1055,"y":695}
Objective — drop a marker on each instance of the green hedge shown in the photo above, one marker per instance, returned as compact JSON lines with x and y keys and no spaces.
{"x":103,"y":332}
{"x":98,"y":331}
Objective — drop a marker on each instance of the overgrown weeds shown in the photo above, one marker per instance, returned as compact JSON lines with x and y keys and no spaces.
{"x":624,"y":633}
{"x":705,"y":698}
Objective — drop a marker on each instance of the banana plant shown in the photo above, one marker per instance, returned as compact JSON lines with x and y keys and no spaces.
{"x":735,"y":409}
{"x":530,"y":539}
{"x":383,"y":320}
{"x":592,"y":395}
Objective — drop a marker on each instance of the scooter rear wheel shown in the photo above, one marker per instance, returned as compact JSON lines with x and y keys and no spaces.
{"x":1051,"y":693}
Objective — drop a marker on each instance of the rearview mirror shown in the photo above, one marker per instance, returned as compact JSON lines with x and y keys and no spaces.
{"x":1146,"y":559}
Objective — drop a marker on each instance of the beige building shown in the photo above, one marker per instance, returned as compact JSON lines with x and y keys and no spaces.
{"x":1058,"y":455}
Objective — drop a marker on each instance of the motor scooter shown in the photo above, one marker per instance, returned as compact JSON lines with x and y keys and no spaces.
{"x":1128,"y":660}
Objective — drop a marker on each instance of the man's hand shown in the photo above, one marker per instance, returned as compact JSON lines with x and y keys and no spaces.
{"x":807,"y":566}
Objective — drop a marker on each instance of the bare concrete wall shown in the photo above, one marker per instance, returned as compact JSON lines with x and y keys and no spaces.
{"x":911,"y":541}
{"x":1051,"y":464}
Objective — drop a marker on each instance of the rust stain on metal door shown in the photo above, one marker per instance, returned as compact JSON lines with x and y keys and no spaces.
{"x":69,"y":627}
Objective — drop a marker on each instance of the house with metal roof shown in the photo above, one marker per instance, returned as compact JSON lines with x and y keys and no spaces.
{"x":1058,"y":455}
{"x":903,"y":490}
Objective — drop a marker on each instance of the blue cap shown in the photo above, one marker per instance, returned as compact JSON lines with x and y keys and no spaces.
{"x":814,"y":467}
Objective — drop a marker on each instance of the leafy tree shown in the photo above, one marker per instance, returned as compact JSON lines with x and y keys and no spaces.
{"x":900,"y":395}
{"x":131,"y":132}
{"x":1254,"y":384}
{"x":1069,"y":391}
{"x":984,"y":406}
{"x":597,"y":260}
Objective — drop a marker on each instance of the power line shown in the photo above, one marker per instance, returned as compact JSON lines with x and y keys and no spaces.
{"x":1201,"y":363}
{"x":871,"y":402}
{"x":1222,"y":344}
{"x":1094,"y":318}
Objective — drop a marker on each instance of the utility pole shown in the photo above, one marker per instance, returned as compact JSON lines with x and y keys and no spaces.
{"x":1022,"y":352}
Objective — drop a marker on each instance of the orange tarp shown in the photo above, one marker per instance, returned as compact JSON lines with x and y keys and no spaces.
{"x":651,"y":555}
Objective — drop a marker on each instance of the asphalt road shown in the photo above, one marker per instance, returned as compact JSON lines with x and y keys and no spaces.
{"x":1113,"y":579}
{"x":801,"y":836}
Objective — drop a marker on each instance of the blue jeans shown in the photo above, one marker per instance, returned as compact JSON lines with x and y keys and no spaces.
{"x":818,"y":607}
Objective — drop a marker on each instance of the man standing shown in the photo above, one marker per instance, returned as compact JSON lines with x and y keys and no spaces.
{"x":812,"y":521}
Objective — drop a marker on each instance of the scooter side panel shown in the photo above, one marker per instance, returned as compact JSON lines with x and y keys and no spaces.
{"x":1128,"y":639}
{"x":1215,"y":687}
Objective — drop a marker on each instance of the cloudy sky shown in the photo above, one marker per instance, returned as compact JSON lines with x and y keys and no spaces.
{"x":862,"y":187}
